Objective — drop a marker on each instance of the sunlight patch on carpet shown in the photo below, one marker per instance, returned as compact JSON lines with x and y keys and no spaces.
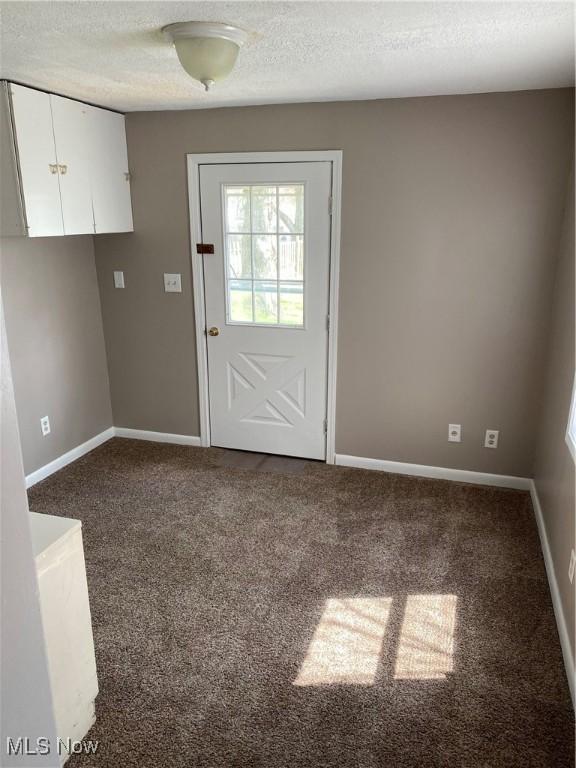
{"x":426,"y":647}
{"x":347,"y":642}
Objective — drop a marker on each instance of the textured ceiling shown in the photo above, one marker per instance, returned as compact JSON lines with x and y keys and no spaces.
{"x":111,"y":53}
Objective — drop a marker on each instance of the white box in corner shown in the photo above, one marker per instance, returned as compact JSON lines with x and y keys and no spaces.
{"x":59,"y":554}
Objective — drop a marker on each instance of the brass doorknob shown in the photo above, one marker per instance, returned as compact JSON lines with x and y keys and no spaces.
{"x":213,"y":331}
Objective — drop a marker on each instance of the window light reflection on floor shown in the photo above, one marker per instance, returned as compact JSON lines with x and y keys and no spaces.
{"x":426,"y":646}
{"x":346,"y":645}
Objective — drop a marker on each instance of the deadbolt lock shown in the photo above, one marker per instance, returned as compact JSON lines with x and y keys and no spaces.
{"x":213,"y":331}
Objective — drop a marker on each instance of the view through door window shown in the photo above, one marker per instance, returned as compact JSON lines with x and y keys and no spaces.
{"x":264,"y":245}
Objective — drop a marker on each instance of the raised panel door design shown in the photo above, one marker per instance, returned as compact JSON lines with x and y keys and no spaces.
{"x":266,"y":290}
{"x":110,"y":177}
{"x":73,"y":157}
{"x":262,"y":389}
{"x":37,"y":160}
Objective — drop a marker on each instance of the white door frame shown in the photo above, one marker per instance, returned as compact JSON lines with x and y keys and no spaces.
{"x":194,"y":162}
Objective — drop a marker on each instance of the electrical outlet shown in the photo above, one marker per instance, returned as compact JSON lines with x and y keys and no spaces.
{"x":454,"y":433}
{"x":119,"y":279}
{"x":491,"y":439}
{"x":45,"y":425}
{"x":572,"y":566}
{"x":172,"y":283}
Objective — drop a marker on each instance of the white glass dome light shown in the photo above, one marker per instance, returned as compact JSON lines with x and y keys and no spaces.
{"x":207,"y":49}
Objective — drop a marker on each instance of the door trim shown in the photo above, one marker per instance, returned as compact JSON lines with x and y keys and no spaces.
{"x":194,"y":161}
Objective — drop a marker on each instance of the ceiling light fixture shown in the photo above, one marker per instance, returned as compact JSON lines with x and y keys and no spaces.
{"x":207,"y":49}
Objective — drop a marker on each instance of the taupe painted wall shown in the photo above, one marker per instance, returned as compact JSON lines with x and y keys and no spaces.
{"x":554,"y":469}
{"x":451,"y":213}
{"x":55,"y":337}
{"x":25,"y":691}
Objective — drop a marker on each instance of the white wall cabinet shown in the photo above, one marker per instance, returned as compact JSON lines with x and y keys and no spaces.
{"x":72,"y":165}
{"x":69,"y":120}
{"x":109,"y":171}
{"x":32,"y":114}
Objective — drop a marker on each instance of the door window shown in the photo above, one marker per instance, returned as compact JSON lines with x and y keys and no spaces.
{"x":264,"y":252}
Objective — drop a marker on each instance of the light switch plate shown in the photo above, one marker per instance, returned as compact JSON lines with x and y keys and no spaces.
{"x":172,"y":282}
{"x":119,"y":279}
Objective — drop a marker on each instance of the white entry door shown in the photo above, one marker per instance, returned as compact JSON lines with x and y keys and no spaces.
{"x":266,"y":296}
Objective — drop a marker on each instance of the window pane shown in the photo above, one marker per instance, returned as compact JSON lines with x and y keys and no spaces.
{"x":263,"y":209}
{"x":292,"y":303}
{"x":291,"y":209}
{"x":265,"y":302}
{"x":265,"y":256}
{"x":239,"y":255}
{"x":264,"y":237}
{"x":291,"y":257}
{"x":240,"y":300}
{"x":237,"y":209}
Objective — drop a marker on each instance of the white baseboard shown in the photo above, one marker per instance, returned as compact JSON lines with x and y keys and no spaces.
{"x":157,"y":437}
{"x":441,"y":473}
{"x":94,"y":442}
{"x":67,"y":458}
{"x":555,"y":592}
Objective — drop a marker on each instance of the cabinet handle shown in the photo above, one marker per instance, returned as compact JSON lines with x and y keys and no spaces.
{"x":53,"y":167}
{"x":63,"y":169}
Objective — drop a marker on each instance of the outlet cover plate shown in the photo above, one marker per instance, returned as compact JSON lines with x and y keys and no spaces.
{"x":572,"y":566}
{"x":491,"y":438}
{"x":45,"y":425}
{"x":454,"y":433}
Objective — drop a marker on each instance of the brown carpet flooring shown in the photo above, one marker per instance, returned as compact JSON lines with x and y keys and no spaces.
{"x":208,"y":578}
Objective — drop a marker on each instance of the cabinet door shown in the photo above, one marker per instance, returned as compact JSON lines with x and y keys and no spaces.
{"x":109,"y":171}
{"x":37,"y":161}
{"x":12,"y":218}
{"x":73,"y":153}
